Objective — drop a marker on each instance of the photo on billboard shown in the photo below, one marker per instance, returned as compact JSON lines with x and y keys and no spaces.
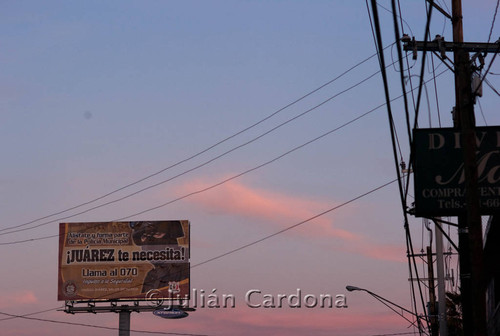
{"x":136,"y":260}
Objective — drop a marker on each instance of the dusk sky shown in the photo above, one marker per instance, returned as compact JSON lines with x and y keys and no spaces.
{"x":193,"y":101}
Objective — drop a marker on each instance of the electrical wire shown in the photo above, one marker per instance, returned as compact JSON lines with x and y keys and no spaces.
{"x":415,"y":124}
{"x":251,"y":169}
{"x":400,"y":16}
{"x":224,"y":181}
{"x":255,"y":242}
{"x":202,"y":164}
{"x":248,"y":245}
{"x":198,"y":153}
{"x":482,"y":113}
{"x":96,"y":326}
{"x":422,"y":68}
{"x":395,"y":334}
{"x":30,"y":314}
{"x":401,"y":73}
{"x":298,"y":224}
{"x":378,"y":43}
{"x":493,"y":21}
{"x":144,"y":331}
{"x":220,"y":182}
{"x":491,"y":87}
{"x":435,"y":88}
{"x":436,"y":96}
{"x":389,"y":112}
{"x":230,"y":178}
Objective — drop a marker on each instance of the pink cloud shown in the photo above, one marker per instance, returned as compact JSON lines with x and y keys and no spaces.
{"x":318,"y":319}
{"x":385,"y":252}
{"x":275,"y":208}
{"x":282,"y":210}
{"x":313,"y":321}
{"x":16,"y":298}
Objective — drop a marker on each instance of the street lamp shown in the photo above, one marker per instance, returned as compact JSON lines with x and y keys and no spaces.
{"x":386,"y":302}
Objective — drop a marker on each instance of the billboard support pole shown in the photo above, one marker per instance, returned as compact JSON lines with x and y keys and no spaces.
{"x":124,"y":322}
{"x":111,"y":267}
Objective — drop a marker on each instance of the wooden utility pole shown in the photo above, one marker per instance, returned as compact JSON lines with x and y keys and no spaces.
{"x":470,"y":235}
{"x":470,"y":230}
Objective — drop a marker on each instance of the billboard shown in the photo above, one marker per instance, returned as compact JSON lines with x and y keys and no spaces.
{"x":439,"y":171}
{"x":124,"y":260}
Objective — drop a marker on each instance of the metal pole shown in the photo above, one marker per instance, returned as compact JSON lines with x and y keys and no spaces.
{"x":443,"y":326}
{"x":124,"y":323}
{"x":432,"y":294}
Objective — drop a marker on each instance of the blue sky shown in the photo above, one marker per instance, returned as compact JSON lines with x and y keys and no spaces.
{"x":95,"y":95}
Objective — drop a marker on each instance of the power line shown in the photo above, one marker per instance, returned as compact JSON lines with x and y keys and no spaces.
{"x":297,"y":224}
{"x":401,"y":74}
{"x":221,"y":182}
{"x":395,"y":334}
{"x":194,"y":168}
{"x":254,"y":168}
{"x":11,"y":316}
{"x":96,"y":326}
{"x":493,"y":21}
{"x":378,"y":35}
{"x":230,"y":178}
{"x":141,"y":331}
{"x":30,"y":314}
{"x":239,"y":248}
{"x":196,"y":154}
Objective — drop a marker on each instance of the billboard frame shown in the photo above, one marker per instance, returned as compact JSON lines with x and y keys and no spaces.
{"x":94,"y":257}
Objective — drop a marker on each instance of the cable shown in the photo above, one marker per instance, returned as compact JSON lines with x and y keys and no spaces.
{"x":228,"y":179}
{"x":252,"y":169}
{"x":198,"y":166}
{"x":482,"y":113}
{"x":396,"y":334}
{"x":223,"y":181}
{"x":219,"y":183}
{"x":194,"y":168}
{"x":408,"y":233}
{"x":412,"y":323}
{"x":492,"y":87}
{"x":400,"y":17}
{"x":145,"y":331}
{"x":389,"y":111}
{"x":387,"y":98}
{"x":401,"y":74}
{"x":422,"y":69}
{"x":29,"y":314}
{"x":297,"y":224}
{"x":436,"y":96}
{"x":249,"y":244}
{"x":198,"y":153}
{"x":96,"y":326}
{"x":493,"y":21}
{"x":435,"y":87}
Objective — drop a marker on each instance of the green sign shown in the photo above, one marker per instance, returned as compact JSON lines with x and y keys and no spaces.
{"x":439,"y":171}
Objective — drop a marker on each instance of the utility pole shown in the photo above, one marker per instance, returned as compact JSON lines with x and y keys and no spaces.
{"x":470,"y":236}
{"x":443,"y":326}
{"x":432,"y":294}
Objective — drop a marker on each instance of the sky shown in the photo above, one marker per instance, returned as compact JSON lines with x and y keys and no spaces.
{"x":211,"y":95}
